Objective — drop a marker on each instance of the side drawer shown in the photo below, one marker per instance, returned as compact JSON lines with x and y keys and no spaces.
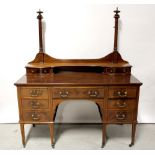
{"x":34,"y":104}
{"x":39,"y":116}
{"x":34,"y":92}
{"x":122,"y":92}
{"x":78,"y":93}
{"x":127,"y":104}
{"x":119,"y":116}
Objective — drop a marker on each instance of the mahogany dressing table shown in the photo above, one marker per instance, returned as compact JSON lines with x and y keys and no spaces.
{"x":106,"y":81}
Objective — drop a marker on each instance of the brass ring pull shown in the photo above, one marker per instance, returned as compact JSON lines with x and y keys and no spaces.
{"x":35,"y":104}
{"x":122,"y":94}
{"x":35,"y":117}
{"x":64,"y":94}
{"x":35,"y":93}
{"x":121,"y":105}
{"x":93,"y":93}
{"x":120,"y":116}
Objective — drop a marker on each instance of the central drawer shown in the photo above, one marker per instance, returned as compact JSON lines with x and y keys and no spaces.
{"x":36,"y":116}
{"x":77,"y":93}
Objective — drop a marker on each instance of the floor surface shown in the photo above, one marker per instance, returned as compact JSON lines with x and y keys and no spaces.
{"x":77,"y":136}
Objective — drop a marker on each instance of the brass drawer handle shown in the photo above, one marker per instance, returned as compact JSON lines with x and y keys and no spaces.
{"x":35,"y":93}
{"x":35,"y":117}
{"x":121,"y":105}
{"x":32,"y":71}
{"x":35,"y":104}
{"x":93,"y":93}
{"x":122,"y":94}
{"x":45,"y":71}
{"x":64,"y":94}
{"x":120,"y":116}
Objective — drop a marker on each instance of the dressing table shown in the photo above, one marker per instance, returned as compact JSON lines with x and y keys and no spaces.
{"x":106,"y":81}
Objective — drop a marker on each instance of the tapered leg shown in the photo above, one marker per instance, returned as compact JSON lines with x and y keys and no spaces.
{"x":103,"y":135}
{"x":133,"y":134}
{"x":34,"y":125}
{"x":51,"y":126}
{"x":22,"y":133}
{"x":55,"y":113}
{"x":99,"y":109}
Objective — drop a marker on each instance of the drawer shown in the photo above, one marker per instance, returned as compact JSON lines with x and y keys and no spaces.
{"x":78,"y":93}
{"x":128,"y":104}
{"x":34,"y":92}
{"x":119,"y":116}
{"x":38,"y":116}
{"x":122,"y":92}
{"x":38,"y":70}
{"x":35,"y":104}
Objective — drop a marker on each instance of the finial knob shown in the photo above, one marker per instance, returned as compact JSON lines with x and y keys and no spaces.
{"x":39,"y":14}
{"x":116,"y":13}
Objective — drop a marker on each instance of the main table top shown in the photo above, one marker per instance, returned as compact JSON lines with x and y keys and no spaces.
{"x":76,"y":79}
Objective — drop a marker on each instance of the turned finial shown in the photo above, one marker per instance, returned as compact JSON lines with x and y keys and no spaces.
{"x":116,"y":13}
{"x":39,"y":14}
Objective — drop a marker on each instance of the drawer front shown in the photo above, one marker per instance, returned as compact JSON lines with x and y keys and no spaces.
{"x":119,"y":116}
{"x":34,"y":104}
{"x":36,"y":116}
{"x":34,"y":93}
{"x":127,"y":104}
{"x":122,"y":92}
{"x":78,"y":93}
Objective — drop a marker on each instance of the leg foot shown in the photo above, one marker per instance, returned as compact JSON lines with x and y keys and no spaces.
{"x":103,"y":144}
{"x":130,"y":145}
{"x":34,"y":125}
{"x":104,"y":136}
{"x":51,"y":126}
{"x":53,"y":146}
{"x":22,"y":133}
{"x":133,"y":134}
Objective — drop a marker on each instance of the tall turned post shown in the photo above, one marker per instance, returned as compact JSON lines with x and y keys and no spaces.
{"x":40,"y":17}
{"x":22,"y":133}
{"x":115,"y":50}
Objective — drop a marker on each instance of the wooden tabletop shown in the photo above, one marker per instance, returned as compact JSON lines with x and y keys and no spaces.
{"x":76,"y":79}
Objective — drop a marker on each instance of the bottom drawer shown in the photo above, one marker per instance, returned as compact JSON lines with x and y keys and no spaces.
{"x":119,"y":116}
{"x":39,"y":116}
